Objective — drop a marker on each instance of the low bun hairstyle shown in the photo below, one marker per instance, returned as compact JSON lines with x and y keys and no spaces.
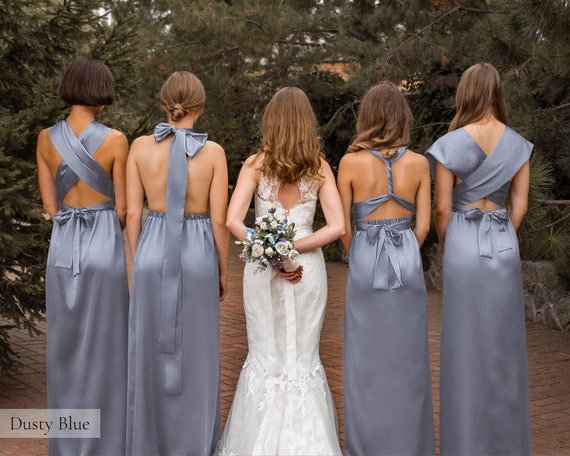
{"x":182,"y":94}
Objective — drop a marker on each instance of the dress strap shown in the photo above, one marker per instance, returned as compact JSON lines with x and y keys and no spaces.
{"x":372,"y":204}
{"x":186,"y":143}
{"x":77,"y":158}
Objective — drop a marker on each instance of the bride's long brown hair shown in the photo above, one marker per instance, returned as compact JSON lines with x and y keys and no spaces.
{"x":290,"y":143}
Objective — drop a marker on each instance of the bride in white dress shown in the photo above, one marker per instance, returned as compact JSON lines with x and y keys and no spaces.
{"x":282,"y":404}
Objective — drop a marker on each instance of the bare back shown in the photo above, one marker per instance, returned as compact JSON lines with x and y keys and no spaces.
{"x":370,"y":181}
{"x":152,"y":164}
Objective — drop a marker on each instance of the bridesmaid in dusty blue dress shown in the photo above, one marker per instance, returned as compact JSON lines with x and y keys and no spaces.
{"x":484,"y":402}
{"x":179,"y":277}
{"x":387,"y":383}
{"x":81,"y":171}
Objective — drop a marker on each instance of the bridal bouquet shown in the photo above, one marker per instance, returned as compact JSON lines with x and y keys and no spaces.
{"x":270,"y":243}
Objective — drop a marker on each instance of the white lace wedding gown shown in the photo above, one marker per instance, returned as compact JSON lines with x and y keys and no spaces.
{"x":282,"y":404}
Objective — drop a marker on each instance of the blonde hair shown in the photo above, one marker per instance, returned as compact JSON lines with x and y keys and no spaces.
{"x":384,"y":120}
{"x":290,"y":142}
{"x":181,"y":94}
{"x":478,"y":91}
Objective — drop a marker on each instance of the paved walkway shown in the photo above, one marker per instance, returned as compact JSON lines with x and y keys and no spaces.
{"x":548,"y":353}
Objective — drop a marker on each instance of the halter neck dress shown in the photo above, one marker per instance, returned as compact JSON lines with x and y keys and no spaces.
{"x":387,"y":383}
{"x":174,"y":350}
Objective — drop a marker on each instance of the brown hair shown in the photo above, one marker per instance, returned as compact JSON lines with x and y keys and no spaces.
{"x":478,"y":91}
{"x":87,"y":82}
{"x":290,"y":142}
{"x":181,"y":94}
{"x":384,"y":120}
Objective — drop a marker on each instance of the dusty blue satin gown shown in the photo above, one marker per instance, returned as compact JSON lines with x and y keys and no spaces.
{"x":387,"y":383}
{"x":174,"y":369}
{"x":86,"y":299}
{"x":484,"y":399}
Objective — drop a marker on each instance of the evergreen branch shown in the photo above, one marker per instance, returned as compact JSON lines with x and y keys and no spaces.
{"x":544,"y":202}
{"x":550,"y":225}
{"x":340,"y":111}
{"x":556,"y":108}
{"x":431,"y":24}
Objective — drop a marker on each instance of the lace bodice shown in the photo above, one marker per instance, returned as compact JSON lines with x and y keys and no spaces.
{"x":301,"y":213}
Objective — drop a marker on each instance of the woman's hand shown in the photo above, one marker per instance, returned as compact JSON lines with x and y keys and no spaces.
{"x":292,"y":277}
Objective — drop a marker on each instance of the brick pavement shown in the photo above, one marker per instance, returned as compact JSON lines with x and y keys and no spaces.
{"x":548,"y":353}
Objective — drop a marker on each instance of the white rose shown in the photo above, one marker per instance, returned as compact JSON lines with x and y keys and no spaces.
{"x":269,"y":251}
{"x":293,"y":254}
{"x":281,"y":248}
{"x":256,"y":250}
{"x":273,"y":224}
{"x":263,"y":225}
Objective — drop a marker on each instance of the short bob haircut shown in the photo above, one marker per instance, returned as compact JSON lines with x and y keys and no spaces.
{"x":87,"y":82}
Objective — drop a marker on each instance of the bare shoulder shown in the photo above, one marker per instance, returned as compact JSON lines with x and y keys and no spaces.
{"x":142,"y":143}
{"x":214,"y":149}
{"x":354,"y":161}
{"x":43,"y":137}
{"x":253,"y":161}
{"x":325,"y":167}
{"x":415,"y":160}
{"x":117,"y":141}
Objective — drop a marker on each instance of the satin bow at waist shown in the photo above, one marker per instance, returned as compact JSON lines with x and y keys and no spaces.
{"x":73,"y":220}
{"x":493,"y":227}
{"x":387,"y":236}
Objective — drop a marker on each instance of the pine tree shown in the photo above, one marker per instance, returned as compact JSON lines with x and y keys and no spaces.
{"x":39,"y":39}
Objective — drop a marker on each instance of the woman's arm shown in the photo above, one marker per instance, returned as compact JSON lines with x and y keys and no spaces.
{"x":218,"y":209}
{"x":121,"y":149}
{"x":519,"y":195}
{"x":444,"y":180}
{"x":346,"y":195}
{"x":134,"y":197}
{"x":241,"y":197}
{"x":334,"y":216}
{"x":423,"y":201}
{"x":46,"y":182}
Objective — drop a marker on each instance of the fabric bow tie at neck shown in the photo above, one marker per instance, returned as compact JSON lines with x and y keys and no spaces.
{"x":185,"y":143}
{"x":189,"y":141}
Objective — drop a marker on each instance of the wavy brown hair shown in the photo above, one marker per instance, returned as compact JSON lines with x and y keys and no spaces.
{"x":290,"y":142}
{"x":384,"y":120}
{"x":478,"y":91}
{"x":181,"y":94}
